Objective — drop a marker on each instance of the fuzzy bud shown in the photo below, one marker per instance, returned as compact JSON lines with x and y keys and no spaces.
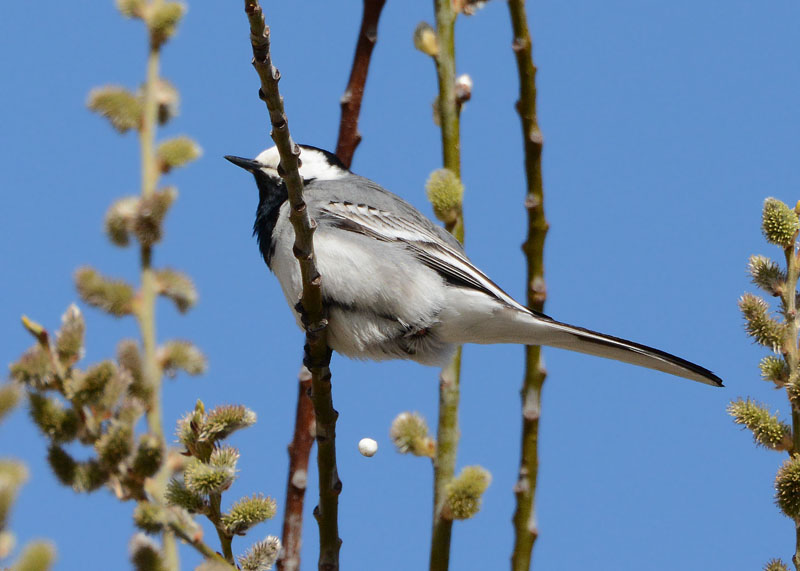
{"x":425,"y":39}
{"x":787,"y":487}
{"x":88,"y":389}
{"x":189,"y":427}
{"x":410,"y":435}
{"x":122,"y":108}
{"x":222,"y":421}
{"x":463,"y":89}
{"x":115,"y":444}
{"x":112,"y":296}
{"x":767,"y":430}
{"x":132,"y":8}
{"x":56,"y":422}
{"x":37,"y":556}
{"x":446,"y":193}
{"x":149,"y":456}
{"x":248,"y":512}
{"x":130,"y":360}
{"x":145,"y":554}
{"x":178,"y":287}
{"x":463,"y":493}
{"x":261,"y":556}
{"x":12,"y":475}
{"x":177,"y":356}
{"x":767,"y":275}
{"x":793,"y":390}
{"x":775,"y":565}
{"x":205,"y":479}
{"x":33,"y":368}
{"x":224,"y":457}
{"x":149,"y":517}
{"x":162,"y":20}
{"x":779,"y":223}
{"x":147,"y":224}
{"x":80,"y":476}
{"x":759,"y":325}
{"x":178,"y":494}
{"x":469,"y":7}
{"x":774,"y":369}
{"x":119,"y":220}
{"x":168,"y":100}
{"x":177,"y":152}
{"x":10,"y":393}
{"x":69,"y":339}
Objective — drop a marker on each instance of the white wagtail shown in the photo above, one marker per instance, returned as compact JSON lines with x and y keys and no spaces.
{"x":398,"y":286}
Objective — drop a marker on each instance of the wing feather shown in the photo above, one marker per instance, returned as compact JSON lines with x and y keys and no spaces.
{"x":431,"y":250}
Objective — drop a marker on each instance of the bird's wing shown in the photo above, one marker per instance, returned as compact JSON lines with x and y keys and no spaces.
{"x":531,"y":328}
{"x":423,"y":242}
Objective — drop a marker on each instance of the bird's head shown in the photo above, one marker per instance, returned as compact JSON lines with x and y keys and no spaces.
{"x":315,"y":164}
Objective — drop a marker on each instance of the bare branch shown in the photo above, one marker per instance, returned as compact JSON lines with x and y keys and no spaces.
{"x":315,"y":317}
{"x":525,"y":530}
{"x":447,"y":432}
{"x":349,"y":137}
{"x":299,"y":451}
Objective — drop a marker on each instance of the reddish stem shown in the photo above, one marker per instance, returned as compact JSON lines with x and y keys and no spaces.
{"x":299,"y":452}
{"x":349,"y":137}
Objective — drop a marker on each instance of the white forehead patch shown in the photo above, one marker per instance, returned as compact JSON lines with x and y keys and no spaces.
{"x":314,"y":164}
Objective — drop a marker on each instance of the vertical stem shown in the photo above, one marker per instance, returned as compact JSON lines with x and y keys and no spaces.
{"x":446,"y":75}
{"x":146,"y":312}
{"x":299,"y":452}
{"x":349,"y":137}
{"x":317,"y":351}
{"x":525,"y":527}
{"x":146,"y":309}
{"x":447,"y":433}
{"x":215,"y":515}
{"x":791,"y":355}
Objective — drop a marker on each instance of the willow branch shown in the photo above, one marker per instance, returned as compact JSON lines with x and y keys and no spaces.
{"x":315,"y":317}
{"x":349,"y":136}
{"x":146,"y":304}
{"x":792,"y":356}
{"x":299,"y":451}
{"x":444,"y":463}
{"x":525,"y":530}
{"x":196,"y":541}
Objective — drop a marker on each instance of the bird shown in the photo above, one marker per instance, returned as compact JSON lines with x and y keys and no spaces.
{"x":398,"y":286}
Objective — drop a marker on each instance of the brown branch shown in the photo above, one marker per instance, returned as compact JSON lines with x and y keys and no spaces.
{"x":525,"y":530}
{"x":349,"y":137}
{"x":299,"y":451}
{"x":447,"y":432}
{"x":314,"y":314}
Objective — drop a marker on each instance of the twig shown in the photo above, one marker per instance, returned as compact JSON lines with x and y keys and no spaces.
{"x":792,"y":356}
{"x":525,"y":530}
{"x":447,"y":434}
{"x":215,"y":515}
{"x":199,"y":545}
{"x":349,"y":137}
{"x":317,"y":351}
{"x":299,"y":451}
{"x":146,"y":306}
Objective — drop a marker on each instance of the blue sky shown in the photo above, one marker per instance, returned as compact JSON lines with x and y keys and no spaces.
{"x":665,"y":125}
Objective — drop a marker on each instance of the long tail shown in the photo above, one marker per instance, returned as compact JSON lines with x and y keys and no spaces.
{"x":537,"y":329}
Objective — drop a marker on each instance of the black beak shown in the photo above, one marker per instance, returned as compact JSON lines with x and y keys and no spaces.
{"x":247,"y":164}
